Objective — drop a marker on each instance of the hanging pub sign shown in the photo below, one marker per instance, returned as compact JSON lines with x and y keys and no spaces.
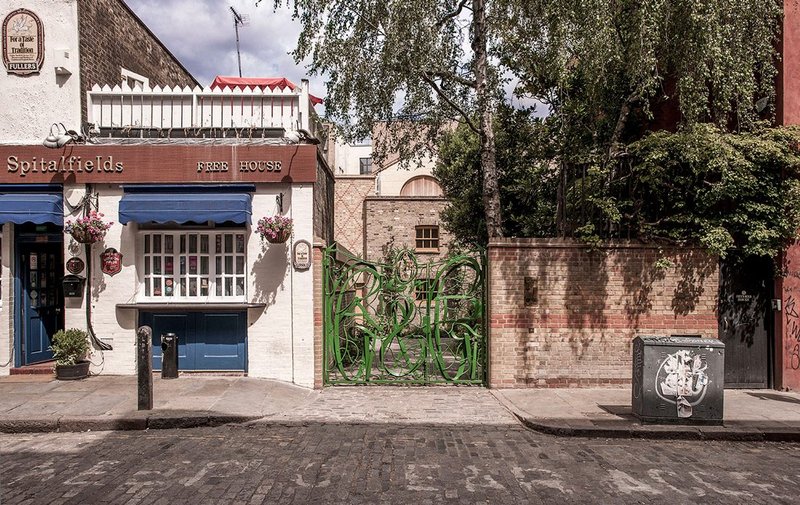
{"x":111,"y":261}
{"x":23,"y":43}
{"x":75,"y":265}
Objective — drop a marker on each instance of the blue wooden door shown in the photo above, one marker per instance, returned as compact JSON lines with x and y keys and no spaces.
{"x":42,"y":298}
{"x":214,"y":341}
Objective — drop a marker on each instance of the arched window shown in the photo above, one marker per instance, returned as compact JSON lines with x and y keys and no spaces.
{"x":423,"y":185}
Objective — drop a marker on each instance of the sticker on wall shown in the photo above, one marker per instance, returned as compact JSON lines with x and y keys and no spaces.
{"x":111,"y":261}
{"x":302,"y":255}
{"x":75,"y":265}
{"x":23,"y":43}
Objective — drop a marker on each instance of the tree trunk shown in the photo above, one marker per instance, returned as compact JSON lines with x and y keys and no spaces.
{"x":491,"y":189}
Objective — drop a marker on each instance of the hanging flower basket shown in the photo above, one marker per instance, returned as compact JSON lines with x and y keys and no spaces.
{"x":88,"y":229}
{"x":275,"y":229}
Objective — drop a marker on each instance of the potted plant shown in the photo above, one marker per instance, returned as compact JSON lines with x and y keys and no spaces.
{"x":275,"y":229}
{"x":88,"y":229}
{"x":69,"y":350}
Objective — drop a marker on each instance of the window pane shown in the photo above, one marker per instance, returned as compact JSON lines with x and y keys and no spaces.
{"x":239,"y":286}
{"x":218,"y":264}
{"x":147,"y":266}
{"x":240,"y":243}
{"x":183,"y":265}
{"x":203,"y":265}
{"x":156,"y":244}
{"x":183,"y":243}
{"x":204,"y":244}
{"x":228,"y":264}
{"x":228,"y":286}
{"x":218,"y":246}
{"x":168,"y":285}
{"x":218,"y":286}
{"x":192,"y":265}
{"x":147,"y":287}
{"x":169,"y":265}
{"x":193,"y":286}
{"x":240,"y":264}
{"x":157,"y":287}
{"x":147,"y":244}
{"x":168,"y":244}
{"x":183,"y":287}
{"x":193,"y":243}
{"x":204,"y":286}
{"x":228,"y":243}
{"x":157,"y":265}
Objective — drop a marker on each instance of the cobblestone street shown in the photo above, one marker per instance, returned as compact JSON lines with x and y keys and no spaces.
{"x":386,"y":463}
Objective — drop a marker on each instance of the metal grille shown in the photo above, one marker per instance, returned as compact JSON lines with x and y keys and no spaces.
{"x":404,"y":321}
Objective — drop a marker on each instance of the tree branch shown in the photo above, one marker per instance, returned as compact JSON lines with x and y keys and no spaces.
{"x":444,"y":74}
{"x":616,"y":146}
{"x":450,"y":102}
{"x":450,"y":15}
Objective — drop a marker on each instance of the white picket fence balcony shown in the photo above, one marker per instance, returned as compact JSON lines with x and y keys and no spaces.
{"x":122,"y":107}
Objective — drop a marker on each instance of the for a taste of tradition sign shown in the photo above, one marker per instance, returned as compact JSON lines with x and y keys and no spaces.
{"x":23,"y":43}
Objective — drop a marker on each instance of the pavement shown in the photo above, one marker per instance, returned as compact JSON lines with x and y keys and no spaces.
{"x":30,"y":403}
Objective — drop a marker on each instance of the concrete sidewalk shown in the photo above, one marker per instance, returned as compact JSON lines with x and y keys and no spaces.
{"x":602,"y":412}
{"x":41,"y":404}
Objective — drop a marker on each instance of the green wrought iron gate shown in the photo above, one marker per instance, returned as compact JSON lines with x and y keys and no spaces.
{"x":404,"y":321}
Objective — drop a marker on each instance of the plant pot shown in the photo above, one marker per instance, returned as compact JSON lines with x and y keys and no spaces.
{"x":282,"y":237}
{"x":83,"y":236}
{"x":79,"y":370}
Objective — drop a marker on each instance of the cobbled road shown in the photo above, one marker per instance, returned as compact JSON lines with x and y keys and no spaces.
{"x":386,"y":463}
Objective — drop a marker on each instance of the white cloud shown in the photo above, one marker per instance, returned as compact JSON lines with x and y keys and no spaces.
{"x":201,"y":35}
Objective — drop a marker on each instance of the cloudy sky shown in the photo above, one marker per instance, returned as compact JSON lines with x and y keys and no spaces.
{"x":200,"y":34}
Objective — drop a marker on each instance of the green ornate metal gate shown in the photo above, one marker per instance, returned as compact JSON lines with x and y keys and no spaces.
{"x":404,"y":320}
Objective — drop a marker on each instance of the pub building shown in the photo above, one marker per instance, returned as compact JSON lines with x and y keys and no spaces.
{"x":183,"y":174}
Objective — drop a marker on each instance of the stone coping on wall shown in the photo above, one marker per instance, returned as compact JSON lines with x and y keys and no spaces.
{"x":407,"y":198}
{"x":561,"y":243}
{"x":355,"y":176}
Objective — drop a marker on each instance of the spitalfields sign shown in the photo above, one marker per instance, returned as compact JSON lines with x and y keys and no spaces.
{"x":64,"y":165}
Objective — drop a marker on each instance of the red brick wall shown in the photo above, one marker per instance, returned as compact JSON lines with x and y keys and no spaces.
{"x":319,"y":308}
{"x":112,"y":36}
{"x":590,"y":306}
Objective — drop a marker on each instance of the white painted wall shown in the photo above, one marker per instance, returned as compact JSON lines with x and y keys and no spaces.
{"x":392,"y":179}
{"x":7,"y":300}
{"x":32,"y":103}
{"x":346,"y":159}
{"x":280,"y":341}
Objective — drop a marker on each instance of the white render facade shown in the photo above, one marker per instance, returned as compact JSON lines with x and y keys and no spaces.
{"x":270,"y":293}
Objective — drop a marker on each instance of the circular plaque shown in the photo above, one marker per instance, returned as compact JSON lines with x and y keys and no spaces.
{"x":75,"y":265}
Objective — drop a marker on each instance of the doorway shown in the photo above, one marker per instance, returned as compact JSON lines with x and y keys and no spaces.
{"x":745,"y":322}
{"x":39,"y":273}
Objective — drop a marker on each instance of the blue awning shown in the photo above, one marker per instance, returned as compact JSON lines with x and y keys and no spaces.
{"x":37,"y":208}
{"x":180,"y":207}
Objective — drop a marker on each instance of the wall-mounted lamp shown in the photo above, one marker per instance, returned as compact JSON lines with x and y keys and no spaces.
{"x":279,"y":201}
{"x":60,"y":136}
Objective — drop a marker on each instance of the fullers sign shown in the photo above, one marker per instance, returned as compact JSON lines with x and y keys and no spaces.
{"x":23,"y":42}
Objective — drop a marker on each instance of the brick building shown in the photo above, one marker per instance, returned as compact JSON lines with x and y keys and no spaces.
{"x":183,"y":172}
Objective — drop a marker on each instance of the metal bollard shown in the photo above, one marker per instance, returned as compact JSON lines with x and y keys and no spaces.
{"x":144,"y":367}
{"x":169,"y":356}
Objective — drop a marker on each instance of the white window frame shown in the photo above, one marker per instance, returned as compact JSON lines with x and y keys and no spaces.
{"x":139,"y":80}
{"x":176,"y":233}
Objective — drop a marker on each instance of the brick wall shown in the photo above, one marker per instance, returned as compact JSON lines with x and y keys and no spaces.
{"x":112,"y":36}
{"x":323,"y":202}
{"x":587,"y":307}
{"x":348,"y":221}
{"x":392,"y":220}
{"x":319,"y":308}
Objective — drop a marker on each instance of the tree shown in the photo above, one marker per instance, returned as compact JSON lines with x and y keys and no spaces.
{"x":404,"y":63}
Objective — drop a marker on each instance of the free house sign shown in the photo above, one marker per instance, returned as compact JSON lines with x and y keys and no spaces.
{"x":23,"y":43}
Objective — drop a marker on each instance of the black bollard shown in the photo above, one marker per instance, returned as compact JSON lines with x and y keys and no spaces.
{"x":169,"y":356}
{"x":144,"y":366}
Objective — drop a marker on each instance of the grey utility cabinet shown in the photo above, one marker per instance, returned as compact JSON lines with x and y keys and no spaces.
{"x":678,"y":379}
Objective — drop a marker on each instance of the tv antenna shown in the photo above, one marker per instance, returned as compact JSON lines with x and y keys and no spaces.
{"x":239,"y":20}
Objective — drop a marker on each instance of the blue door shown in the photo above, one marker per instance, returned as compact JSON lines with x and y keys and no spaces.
{"x":39,"y":277}
{"x":212,"y":341}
